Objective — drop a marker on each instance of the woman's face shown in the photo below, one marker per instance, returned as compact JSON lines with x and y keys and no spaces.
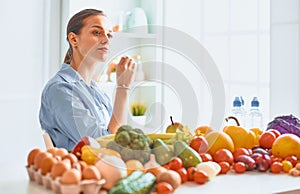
{"x":93,"y":38}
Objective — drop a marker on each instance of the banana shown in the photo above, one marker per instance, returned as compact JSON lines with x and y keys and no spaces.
{"x":165,"y":137}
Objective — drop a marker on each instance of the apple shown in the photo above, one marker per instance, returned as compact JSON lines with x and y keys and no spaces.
{"x":86,"y":140}
{"x":199,"y":144}
{"x":172,"y":128}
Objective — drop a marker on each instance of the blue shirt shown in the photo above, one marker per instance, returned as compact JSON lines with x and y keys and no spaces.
{"x":70,"y":109}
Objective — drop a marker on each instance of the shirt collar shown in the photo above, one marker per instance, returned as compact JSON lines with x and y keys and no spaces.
{"x":69,"y":74}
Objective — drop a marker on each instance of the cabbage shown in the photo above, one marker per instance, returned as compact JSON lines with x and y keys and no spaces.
{"x":285,"y":124}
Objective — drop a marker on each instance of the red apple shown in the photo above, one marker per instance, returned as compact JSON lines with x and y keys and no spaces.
{"x":199,"y":144}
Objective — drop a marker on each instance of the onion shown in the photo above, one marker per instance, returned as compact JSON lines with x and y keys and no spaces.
{"x":112,"y":169}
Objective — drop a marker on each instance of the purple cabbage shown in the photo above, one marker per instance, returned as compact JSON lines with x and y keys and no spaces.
{"x":285,"y":124}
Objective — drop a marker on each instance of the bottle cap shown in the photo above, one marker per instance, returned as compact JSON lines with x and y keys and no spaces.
{"x":255,"y":102}
{"x":237,"y":102}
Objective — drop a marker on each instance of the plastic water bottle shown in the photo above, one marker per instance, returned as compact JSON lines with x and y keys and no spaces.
{"x":255,"y":115}
{"x":238,"y":112}
{"x":139,"y":74}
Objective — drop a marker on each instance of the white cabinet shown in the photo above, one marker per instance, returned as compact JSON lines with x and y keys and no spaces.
{"x":130,"y":42}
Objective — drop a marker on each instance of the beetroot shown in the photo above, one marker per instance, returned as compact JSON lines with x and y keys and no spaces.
{"x":286,"y":124}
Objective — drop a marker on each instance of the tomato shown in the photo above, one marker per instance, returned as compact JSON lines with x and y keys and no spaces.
{"x":223,"y":155}
{"x":200,"y":177}
{"x":175,"y":163}
{"x":276,"y":167}
{"x":190,"y":171}
{"x":240,"y":151}
{"x":292,"y":159}
{"x":183,"y":174}
{"x":286,"y":166}
{"x":206,"y":157}
{"x":164,"y":188}
{"x":199,"y":144}
{"x":239,"y":167}
{"x":275,"y":159}
{"x":275,"y":132}
{"x":266,"y":140}
{"x":225,"y":167}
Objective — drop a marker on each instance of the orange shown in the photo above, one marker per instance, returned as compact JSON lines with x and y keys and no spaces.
{"x":133,"y":165}
{"x":203,"y":130}
{"x":218,"y":140}
{"x":286,"y":145}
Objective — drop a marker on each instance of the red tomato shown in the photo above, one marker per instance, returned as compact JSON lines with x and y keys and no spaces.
{"x":275,"y":132}
{"x":175,"y":163}
{"x":199,"y":144}
{"x":200,"y":177}
{"x":183,"y":174}
{"x":206,"y":157}
{"x":190,"y":171}
{"x":223,"y":155}
{"x":275,"y":159}
{"x":292,"y":159}
{"x":276,"y":167}
{"x":164,"y":188}
{"x":267,"y":139}
{"x":225,"y":167}
{"x":240,"y":151}
{"x":239,"y":167}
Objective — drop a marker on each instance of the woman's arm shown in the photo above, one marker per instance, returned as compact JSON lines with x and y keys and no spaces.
{"x":125,"y":74}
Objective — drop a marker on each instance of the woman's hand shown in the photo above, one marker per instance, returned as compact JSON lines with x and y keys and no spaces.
{"x":125,"y":71}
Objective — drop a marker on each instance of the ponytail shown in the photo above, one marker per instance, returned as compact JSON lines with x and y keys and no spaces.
{"x":68,"y":56}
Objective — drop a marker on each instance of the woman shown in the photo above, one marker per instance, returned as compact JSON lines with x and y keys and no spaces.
{"x":72,"y":106}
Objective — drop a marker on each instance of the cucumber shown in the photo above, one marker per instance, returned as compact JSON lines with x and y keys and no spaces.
{"x":136,"y":183}
{"x":143,"y":184}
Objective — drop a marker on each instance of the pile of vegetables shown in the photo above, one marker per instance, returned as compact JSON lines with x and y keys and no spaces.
{"x":286,"y":124}
{"x":131,"y":144}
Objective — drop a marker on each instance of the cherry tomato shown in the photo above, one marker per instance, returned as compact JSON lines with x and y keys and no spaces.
{"x":225,"y":167}
{"x":199,"y":144}
{"x":239,"y":167}
{"x":175,"y":163}
{"x":164,"y":188}
{"x":190,"y":171}
{"x":275,"y":159}
{"x":200,"y":177}
{"x":223,"y":155}
{"x":293,"y":159}
{"x":286,"y":166}
{"x":276,"y":167}
{"x":183,"y":174}
{"x":206,"y":157}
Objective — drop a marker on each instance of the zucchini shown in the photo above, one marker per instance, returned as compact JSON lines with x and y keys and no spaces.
{"x":136,"y":183}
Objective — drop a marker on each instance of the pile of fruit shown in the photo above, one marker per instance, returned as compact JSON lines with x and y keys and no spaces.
{"x":134,"y":162}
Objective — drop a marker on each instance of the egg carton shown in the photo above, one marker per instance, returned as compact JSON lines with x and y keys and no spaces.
{"x":84,"y":187}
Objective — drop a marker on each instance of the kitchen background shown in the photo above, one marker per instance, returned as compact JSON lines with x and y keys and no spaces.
{"x":254,"y":43}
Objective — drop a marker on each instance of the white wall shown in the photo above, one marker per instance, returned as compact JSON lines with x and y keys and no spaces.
{"x":285,"y":63}
{"x":21,"y":49}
